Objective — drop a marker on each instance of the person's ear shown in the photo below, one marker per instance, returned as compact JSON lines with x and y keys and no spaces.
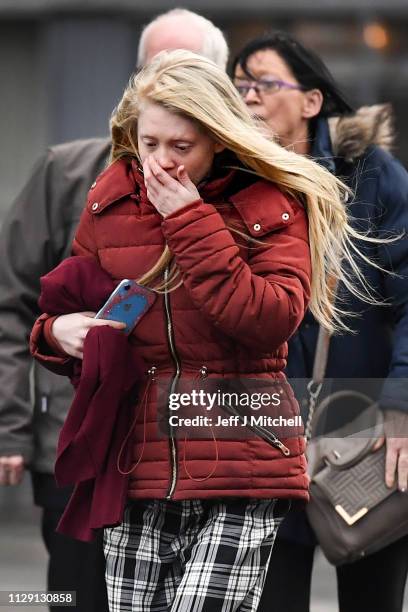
{"x":218,"y":147}
{"x":312,"y":103}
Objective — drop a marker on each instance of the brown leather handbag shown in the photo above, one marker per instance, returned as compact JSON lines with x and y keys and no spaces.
{"x":351,"y":511}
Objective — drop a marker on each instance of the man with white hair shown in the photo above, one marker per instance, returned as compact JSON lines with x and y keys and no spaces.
{"x":36,"y":236}
{"x":182,"y":29}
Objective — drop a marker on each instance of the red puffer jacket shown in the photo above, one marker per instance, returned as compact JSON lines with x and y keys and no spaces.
{"x":239,"y":303}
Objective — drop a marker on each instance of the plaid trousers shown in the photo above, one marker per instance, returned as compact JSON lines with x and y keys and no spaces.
{"x":190,"y":556}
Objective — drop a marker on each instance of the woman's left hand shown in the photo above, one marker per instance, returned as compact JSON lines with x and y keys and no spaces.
{"x":165,"y":192}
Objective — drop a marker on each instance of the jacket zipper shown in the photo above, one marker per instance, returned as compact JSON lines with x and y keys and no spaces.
{"x":264,"y":433}
{"x":170,"y":338}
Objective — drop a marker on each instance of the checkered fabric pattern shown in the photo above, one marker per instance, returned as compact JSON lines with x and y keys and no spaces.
{"x":190,"y":556}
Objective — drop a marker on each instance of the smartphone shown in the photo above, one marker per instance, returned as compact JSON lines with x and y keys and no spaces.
{"x":127,"y":303}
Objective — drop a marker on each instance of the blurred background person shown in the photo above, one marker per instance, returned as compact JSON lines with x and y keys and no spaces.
{"x":36,"y":235}
{"x":289,"y":88}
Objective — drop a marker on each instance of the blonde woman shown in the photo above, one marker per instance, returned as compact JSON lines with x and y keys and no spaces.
{"x":237,"y":237}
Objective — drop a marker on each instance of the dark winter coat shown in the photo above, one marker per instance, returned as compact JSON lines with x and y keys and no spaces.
{"x":356,"y":149}
{"x":375,"y":359}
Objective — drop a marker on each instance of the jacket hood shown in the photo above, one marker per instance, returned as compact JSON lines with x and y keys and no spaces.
{"x":351,"y":135}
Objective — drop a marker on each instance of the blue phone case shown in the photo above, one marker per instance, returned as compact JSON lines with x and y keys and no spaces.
{"x":128,"y":303}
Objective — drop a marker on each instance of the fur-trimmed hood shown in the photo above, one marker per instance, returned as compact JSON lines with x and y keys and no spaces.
{"x":370,"y":125}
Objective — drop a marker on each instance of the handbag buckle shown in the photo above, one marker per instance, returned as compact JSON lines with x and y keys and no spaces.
{"x":350,"y":520}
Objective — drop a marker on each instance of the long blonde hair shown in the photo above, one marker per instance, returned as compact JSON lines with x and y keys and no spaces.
{"x":195,"y":87}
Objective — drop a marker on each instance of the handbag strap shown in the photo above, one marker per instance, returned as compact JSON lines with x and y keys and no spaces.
{"x":314,"y":387}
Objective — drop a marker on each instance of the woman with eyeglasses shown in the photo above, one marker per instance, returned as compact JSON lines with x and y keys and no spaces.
{"x":291,"y":92}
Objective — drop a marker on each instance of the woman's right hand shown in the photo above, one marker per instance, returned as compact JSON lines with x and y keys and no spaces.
{"x":70,"y":330}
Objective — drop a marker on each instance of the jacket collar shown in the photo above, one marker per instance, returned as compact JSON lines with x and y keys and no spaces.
{"x":209,"y":189}
{"x":349,"y":136}
{"x":262,"y":206}
{"x":122,"y":179}
{"x":352,"y":135}
{"x":322,"y":150}
{"x":212,"y":188}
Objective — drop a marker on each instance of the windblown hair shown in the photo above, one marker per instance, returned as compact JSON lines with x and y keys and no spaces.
{"x":188,"y":84}
{"x":214,"y":44}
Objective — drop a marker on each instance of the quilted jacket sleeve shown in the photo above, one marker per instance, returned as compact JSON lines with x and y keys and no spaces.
{"x":44,"y":354}
{"x":260,"y":303}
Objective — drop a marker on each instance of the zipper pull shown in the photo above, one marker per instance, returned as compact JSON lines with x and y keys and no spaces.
{"x":203,"y":371}
{"x":44,"y":404}
{"x":152,"y":371}
{"x":284,"y":449}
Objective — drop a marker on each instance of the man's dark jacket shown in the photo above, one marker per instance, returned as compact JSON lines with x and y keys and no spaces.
{"x":36,"y":235}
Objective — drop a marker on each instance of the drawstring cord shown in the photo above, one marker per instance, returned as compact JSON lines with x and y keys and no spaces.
{"x":144,"y":403}
{"x":202,"y":376}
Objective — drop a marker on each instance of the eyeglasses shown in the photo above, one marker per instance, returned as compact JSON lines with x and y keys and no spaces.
{"x":264,"y":86}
